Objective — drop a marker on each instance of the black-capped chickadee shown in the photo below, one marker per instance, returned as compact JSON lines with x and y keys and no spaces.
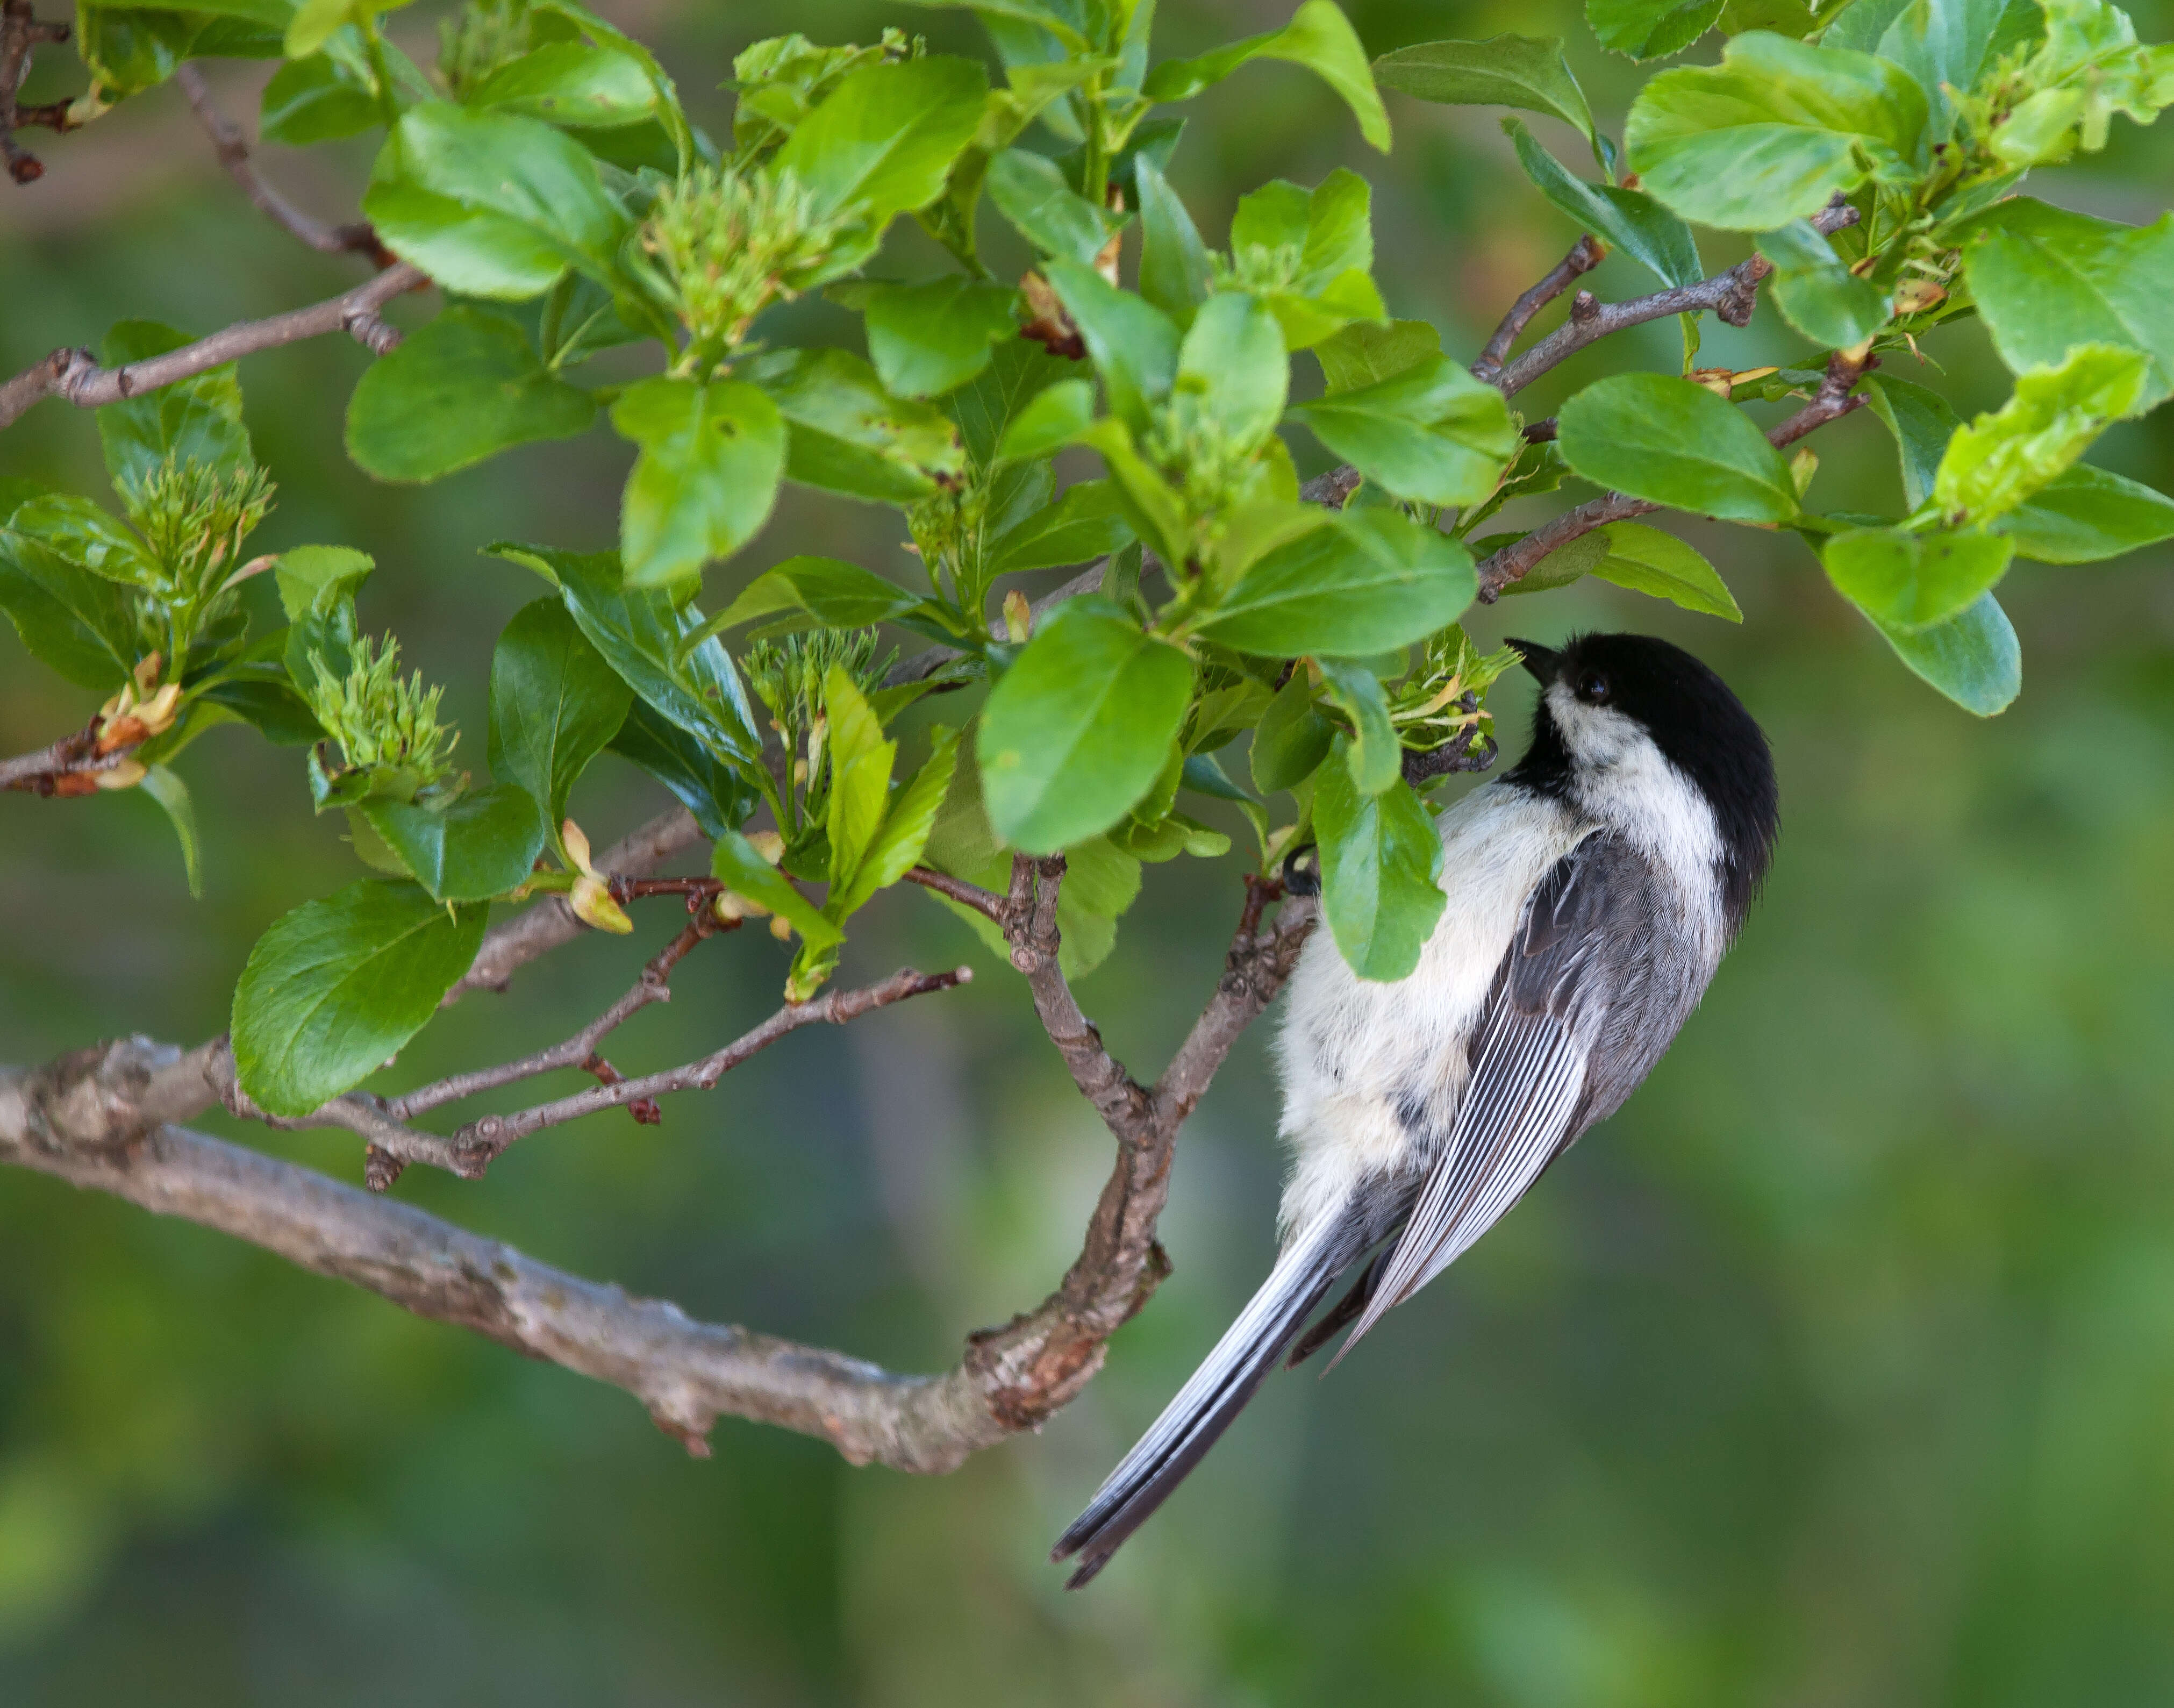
{"x":1592,"y":893}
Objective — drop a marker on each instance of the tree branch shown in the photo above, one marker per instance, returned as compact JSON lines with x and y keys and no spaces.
{"x":1732,"y":295}
{"x":1585,"y":254}
{"x":20,"y":35}
{"x":233,"y":151}
{"x":1832,"y":402}
{"x":76,"y":376}
{"x":69,"y":766}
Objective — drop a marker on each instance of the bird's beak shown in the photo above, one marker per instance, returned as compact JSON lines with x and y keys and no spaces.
{"x":1541,"y":661}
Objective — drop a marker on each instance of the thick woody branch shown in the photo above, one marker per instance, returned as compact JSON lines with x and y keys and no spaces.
{"x":75,"y":374}
{"x":1732,"y":294}
{"x":69,"y":766}
{"x":1029,"y":925}
{"x":233,"y":151}
{"x":1832,"y":401}
{"x":1585,"y":254}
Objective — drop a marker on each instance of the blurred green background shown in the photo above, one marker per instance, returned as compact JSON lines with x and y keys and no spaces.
{"x":1838,"y":1368}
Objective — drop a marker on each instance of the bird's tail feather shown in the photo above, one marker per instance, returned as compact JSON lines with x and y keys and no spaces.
{"x":1215,"y":1394}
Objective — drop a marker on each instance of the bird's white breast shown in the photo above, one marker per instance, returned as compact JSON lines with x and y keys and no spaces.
{"x":1350,"y":1049}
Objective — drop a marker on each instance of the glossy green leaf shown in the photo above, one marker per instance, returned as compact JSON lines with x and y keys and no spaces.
{"x":1049,"y":422}
{"x":1773,"y":131}
{"x":76,"y":623}
{"x":1942,"y":42}
{"x":1363,"y":581}
{"x":1815,"y":290}
{"x":1922,"y":421}
{"x":1319,"y":37}
{"x":927,"y":339}
{"x":491,"y":204}
{"x":555,"y":704}
{"x":338,"y":985}
{"x":713,"y":792}
{"x":1030,"y":192}
{"x":570,"y":84}
{"x":860,"y":759}
{"x":596,"y":29}
{"x":711,"y":458}
{"x":1998,"y":460}
{"x":1905,"y":580}
{"x":845,"y":432}
{"x":1372,"y":754}
{"x":883,"y":139}
{"x":1364,"y":354}
{"x":1078,"y":728}
{"x":1648,"y":561}
{"x":164,"y":785}
{"x":986,"y":407}
{"x":1973,"y":659}
{"x":197,"y":418}
{"x":2045,"y":280}
{"x":898,"y":845}
{"x":460,"y":389}
{"x":1310,"y":254}
{"x":734,"y":862}
{"x":836,"y":594}
{"x":2087,"y":514}
{"x":1626,"y":220}
{"x":1149,"y":503}
{"x":1676,"y":443}
{"x":1517,"y":71}
{"x":1380,"y":856}
{"x":1232,"y":375}
{"x":317,"y":587}
{"x":1432,"y":434}
{"x":1292,"y":737}
{"x":1133,"y":344}
{"x":1087,"y":522}
{"x":1174,"y":275}
{"x":482,"y":845}
{"x":317,"y":100}
{"x":1651,"y":28}
{"x":90,"y":538}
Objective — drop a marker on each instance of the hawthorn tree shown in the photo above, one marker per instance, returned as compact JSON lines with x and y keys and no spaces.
{"x":545,"y":181}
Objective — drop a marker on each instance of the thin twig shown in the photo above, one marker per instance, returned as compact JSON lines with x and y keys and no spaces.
{"x":21,"y":32}
{"x":68,"y":766}
{"x":1030,"y":928}
{"x":233,"y":150}
{"x":76,"y":376}
{"x":986,"y":902}
{"x":482,"y":1141}
{"x":1585,"y":254}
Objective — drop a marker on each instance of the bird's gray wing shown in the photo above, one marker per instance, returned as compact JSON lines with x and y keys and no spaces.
{"x":1530,"y":1064}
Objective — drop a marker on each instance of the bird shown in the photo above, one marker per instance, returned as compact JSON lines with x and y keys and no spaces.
{"x":1592,"y":892}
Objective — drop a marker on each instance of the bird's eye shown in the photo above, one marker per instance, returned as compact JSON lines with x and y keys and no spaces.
{"x":1593,"y":687}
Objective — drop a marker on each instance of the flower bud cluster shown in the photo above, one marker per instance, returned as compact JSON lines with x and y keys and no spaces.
{"x":195,"y":518}
{"x":727,"y":241}
{"x":379,"y":720}
{"x":484,"y":35}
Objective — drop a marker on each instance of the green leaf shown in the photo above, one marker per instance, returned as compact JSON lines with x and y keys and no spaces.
{"x":708,"y":789}
{"x":1031,"y":193}
{"x":315,"y":22}
{"x":1922,"y":421}
{"x":1817,"y":293}
{"x":1973,"y":659}
{"x":927,"y":339}
{"x":1372,"y":756}
{"x":1518,"y":70}
{"x":985,"y":408}
{"x":848,"y":434}
{"x":1363,"y":355}
{"x":82,"y":534}
{"x":317,"y":100}
{"x":462,"y":389}
{"x":2046,"y":280}
{"x":1232,"y":375}
{"x":317,"y":586}
{"x":484,"y":844}
{"x":78,"y":624}
{"x":1380,"y":855}
{"x":1149,"y":503}
{"x":860,"y":761}
{"x":1432,"y":434}
{"x":668,"y":111}
{"x":127,"y":50}
{"x":163,"y":785}
{"x":199,"y":417}
{"x":555,"y":704}
{"x":899,"y":845}
{"x":1651,"y":28}
{"x":1999,"y":460}
{"x":734,"y":862}
{"x":1626,"y":219}
{"x":1646,"y":560}
{"x":1772,"y":132}
{"x":491,"y":204}
{"x":1676,"y":443}
{"x":641,"y":632}
{"x":1174,"y":271}
{"x":1309,"y":253}
{"x":711,"y":458}
{"x":1364,"y":581}
{"x":1049,"y":421}
{"x":1911,"y":582}
{"x":883,"y":139}
{"x":1087,"y":522}
{"x":1319,"y":37}
{"x":836,"y":594}
{"x":1291,"y":739}
{"x":2087,"y":514}
{"x":1133,"y":344}
{"x":1078,"y":727}
{"x":570,"y":84}
{"x":338,"y":985}
{"x":1938,"y":42}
